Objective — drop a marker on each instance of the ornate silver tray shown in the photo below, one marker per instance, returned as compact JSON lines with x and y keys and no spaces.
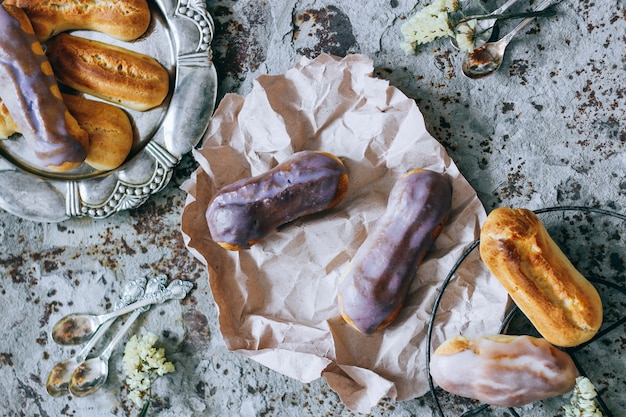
{"x":179,"y":37}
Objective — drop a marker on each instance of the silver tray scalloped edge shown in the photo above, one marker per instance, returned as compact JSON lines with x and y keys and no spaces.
{"x":178,"y":127}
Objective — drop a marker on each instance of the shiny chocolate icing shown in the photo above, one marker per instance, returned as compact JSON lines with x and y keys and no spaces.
{"x":30,"y":92}
{"x":245,"y":211}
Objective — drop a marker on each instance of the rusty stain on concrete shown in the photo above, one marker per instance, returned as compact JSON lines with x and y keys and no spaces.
{"x":327,"y":30}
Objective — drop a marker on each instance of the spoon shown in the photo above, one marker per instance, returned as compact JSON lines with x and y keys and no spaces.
{"x":91,"y":374}
{"x":58,"y":380}
{"x":484,"y":27}
{"x":77,"y":328}
{"x":488,"y":58}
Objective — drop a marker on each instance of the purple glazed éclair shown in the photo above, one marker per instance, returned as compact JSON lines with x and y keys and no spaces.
{"x":242,"y":213}
{"x":30,"y":92}
{"x":373,"y":289}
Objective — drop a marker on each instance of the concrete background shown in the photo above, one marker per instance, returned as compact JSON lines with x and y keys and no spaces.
{"x":549,"y":129}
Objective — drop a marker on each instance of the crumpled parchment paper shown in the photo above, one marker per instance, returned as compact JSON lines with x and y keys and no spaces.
{"x":278,"y":301}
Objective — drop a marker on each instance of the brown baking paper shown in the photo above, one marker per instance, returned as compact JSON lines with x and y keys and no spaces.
{"x":278,"y":301}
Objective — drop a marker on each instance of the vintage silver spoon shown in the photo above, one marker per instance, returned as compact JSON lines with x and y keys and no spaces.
{"x":58,"y":381}
{"x":488,"y":58}
{"x":484,"y":27}
{"x":91,"y":374}
{"x":77,"y":328}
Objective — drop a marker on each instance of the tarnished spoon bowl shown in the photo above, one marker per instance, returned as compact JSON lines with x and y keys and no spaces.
{"x":78,"y":328}
{"x":75,"y":329}
{"x":89,"y":376}
{"x":488,"y":58}
{"x":485,"y":60}
{"x":58,"y":381}
{"x":484,"y":27}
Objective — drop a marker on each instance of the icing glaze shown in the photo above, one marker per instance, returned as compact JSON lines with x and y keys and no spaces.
{"x":245,"y":211}
{"x":507,"y":371}
{"x":32,"y":96}
{"x":383,"y":268}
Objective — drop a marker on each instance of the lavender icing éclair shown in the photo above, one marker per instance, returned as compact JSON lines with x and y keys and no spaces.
{"x":32,"y":96}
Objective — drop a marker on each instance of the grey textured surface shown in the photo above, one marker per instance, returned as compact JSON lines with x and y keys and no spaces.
{"x":548,"y":129}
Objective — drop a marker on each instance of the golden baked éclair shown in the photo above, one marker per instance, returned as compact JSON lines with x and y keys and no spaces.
{"x":125,"y":20}
{"x":559,"y":301}
{"x":115,"y":74}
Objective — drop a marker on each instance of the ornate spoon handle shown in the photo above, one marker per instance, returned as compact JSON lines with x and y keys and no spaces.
{"x":177,"y":289}
{"x":487,"y":23}
{"x":134,"y":290}
{"x":106,"y":353}
{"x":541,"y":6}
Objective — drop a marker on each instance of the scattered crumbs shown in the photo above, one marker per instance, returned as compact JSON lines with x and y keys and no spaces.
{"x":507,"y":107}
